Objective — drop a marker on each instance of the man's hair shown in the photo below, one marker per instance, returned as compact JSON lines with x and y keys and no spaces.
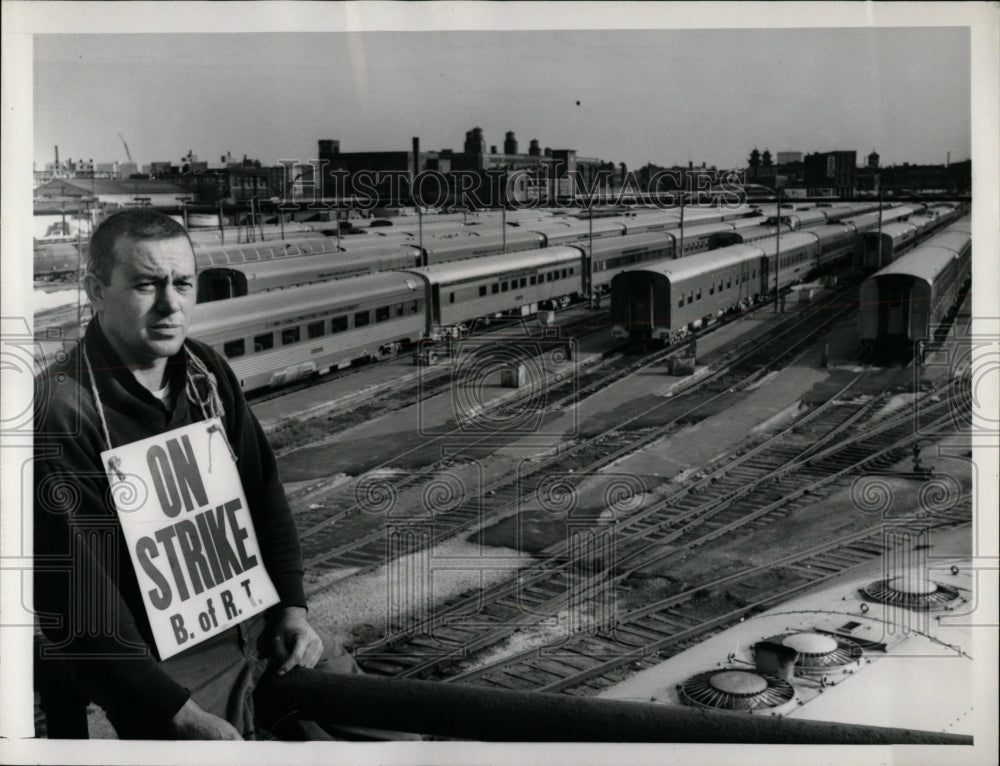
{"x":138,"y":225}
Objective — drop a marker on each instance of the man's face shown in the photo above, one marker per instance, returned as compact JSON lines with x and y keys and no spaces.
{"x":146,"y":306}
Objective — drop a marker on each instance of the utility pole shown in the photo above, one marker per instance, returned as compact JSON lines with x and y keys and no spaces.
{"x":879,"y":189}
{"x":680,"y":254}
{"x":777,"y":255}
{"x":590,"y":255}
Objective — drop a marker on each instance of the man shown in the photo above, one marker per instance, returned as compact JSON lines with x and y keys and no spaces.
{"x":136,"y":375}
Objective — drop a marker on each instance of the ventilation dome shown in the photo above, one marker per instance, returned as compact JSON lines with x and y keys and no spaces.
{"x":819,"y":653}
{"x":911,"y":591}
{"x":730,"y":689}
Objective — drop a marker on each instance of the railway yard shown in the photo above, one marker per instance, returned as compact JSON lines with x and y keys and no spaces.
{"x":593,"y":482}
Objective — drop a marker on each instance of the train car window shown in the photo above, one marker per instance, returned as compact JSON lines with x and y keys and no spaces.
{"x":565,"y":273}
{"x":289,"y":335}
{"x":533,"y":280}
{"x":315,"y":330}
{"x":482,"y":290}
{"x":495,"y":289}
{"x":400,"y":309}
{"x":698,"y":297}
{"x":338,"y":324}
{"x":451,"y":297}
{"x":414,"y":307}
{"x":720,"y":285}
{"x":729,"y":283}
{"x":382,"y":313}
{"x":680,"y":303}
{"x":362,"y":318}
{"x":690,"y":298}
{"x":504,"y":287}
{"x":711,"y":289}
{"x":234,"y":348}
{"x":263,"y":342}
{"x":524,"y":281}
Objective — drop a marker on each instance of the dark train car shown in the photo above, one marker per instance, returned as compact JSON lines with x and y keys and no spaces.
{"x":57,"y":261}
{"x":905,"y":302}
{"x":663,"y":301}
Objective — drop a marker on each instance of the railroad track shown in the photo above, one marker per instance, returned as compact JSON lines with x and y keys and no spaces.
{"x":588,"y":662}
{"x":498,"y":496}
{"x":763,"y":485}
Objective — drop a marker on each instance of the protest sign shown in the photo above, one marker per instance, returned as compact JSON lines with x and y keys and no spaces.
{"x":193,"y":546}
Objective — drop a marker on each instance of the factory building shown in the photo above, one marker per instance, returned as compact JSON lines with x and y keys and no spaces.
{"x":473,"y":176}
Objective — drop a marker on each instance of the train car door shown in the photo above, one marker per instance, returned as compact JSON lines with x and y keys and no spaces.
{"x":894,"y":294}
{"x":436,"y":304}
{"x":216,"y":285}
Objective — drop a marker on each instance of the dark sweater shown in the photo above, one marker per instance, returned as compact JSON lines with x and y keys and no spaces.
{"x":86,"y":593}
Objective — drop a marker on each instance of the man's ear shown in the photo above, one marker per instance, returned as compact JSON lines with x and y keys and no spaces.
{"x":95,"y":291}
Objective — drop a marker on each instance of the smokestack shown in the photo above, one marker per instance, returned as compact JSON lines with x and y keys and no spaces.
{"x":416,"y":154}
{"x":57,"y":156}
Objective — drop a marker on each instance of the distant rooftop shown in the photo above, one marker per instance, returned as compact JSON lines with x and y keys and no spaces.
{"x":81,"y":187}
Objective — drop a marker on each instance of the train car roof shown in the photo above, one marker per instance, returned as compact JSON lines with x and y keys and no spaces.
{"x":438,"y":245}
{"x":914,"y":679}
{"x":311,"y":263}
{"x":485,"y":266}
{"x":574,"y":226}
{"x":695,"y":265}
{"x":789,"y":240}
{"x":644,"y":239}
{"x":293,"y":301}
{"x":278,"y":248}
{"x":804,"y":217}
{"x":925,"y":263}
{"x":826,"y":229}
{"x":701,"y":229}
{"x":963,"y":225}
{"x":747,"y":222}
{"x":892,"y":229}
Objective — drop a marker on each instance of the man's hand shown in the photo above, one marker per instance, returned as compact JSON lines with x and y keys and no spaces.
{"x":295,"y":641}
{"x":191,"y":722}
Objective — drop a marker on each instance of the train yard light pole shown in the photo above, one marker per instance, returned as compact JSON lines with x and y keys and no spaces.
{"x":184,"y":209}
{"x":503,"y":224}
{"x":777,"y":254}
{"x":590,"y":255}
{"x":680,"y":253}
{"x":878,"y":188}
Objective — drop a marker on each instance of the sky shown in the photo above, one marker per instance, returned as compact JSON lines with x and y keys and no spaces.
{"x":633,"y":96}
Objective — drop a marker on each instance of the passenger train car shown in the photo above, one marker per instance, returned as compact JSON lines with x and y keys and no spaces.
{"x":239,"y":279}
{"x":906,"y":301}
{"x":660,"y":301}
{"x":664,"y":301}
{"x":270,"y":339}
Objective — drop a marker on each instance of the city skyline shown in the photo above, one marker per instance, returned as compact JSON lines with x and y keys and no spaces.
{"x":610,"y":94}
